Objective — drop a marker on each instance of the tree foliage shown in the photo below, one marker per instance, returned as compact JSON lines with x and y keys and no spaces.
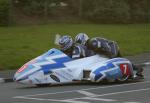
{"x":97,"y":11}
{"x":107,"y":11}
{"x":4,"y":12}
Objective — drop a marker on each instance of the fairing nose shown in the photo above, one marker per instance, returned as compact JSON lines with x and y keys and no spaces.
{"x":22,"y":75}
{"x":23,"y":80}
{"x":15,"y":79}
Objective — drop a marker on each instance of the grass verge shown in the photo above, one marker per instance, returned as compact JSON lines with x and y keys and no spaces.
{"x":21,"y":43}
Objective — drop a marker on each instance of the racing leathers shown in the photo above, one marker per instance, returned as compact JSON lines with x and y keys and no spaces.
{"x":104,"y":46}
{"x":110,"y":49}
{"x":78,"y":51}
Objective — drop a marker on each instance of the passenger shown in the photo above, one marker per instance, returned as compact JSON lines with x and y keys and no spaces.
{"x":99,"y":45}
{"x":103,"y":46}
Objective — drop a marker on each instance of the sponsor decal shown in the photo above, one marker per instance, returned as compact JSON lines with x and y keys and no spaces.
{"x":54,"y":77}
{"x":25,"y":66}
{"x":22,"y":68}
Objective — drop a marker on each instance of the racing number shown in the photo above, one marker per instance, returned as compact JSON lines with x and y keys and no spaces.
{"x":125,"y":69}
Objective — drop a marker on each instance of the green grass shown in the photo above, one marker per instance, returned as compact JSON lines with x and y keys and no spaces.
{"x":20,"y":44}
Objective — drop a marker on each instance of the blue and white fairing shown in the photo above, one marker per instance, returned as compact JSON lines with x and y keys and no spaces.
{"x":41,"y":69}
{"x":56,"y":67}
{"x":111,"y":70}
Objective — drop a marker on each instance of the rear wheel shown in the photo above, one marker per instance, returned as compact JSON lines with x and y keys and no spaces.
{"x":43,"y":85}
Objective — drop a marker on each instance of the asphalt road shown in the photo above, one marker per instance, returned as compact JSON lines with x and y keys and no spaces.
{"x":134,"y":92}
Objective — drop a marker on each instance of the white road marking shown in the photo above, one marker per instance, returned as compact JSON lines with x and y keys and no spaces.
{"x":71,"y":101}
{"x":115,"y":93}
{"x":2,"y":80}
{"x":89,"y":94}
{"x":74,"y":99}
{"x":146,"y":63}
{"x":121,"y":85}
{"x":41,"y":99}
{"x":86,"y":93}
{"x":100,"y":99}
{"x":131,"y":102}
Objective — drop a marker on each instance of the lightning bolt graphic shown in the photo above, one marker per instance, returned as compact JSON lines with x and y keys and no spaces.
{"x":111,"y":66}
{"x":46,"y":64}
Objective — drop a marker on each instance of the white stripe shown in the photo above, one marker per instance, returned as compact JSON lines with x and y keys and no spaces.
{"x":56,"y":56}
{"x":57,"y":38}
{"x":130,"y":91}
{"x":115,"y":93}
{"x":147,"y":63}
{"x":71,"y":101}
{"x":114,"y":47}
{"x":131,"y":102}
{"x":79,"y":49}
{"x":105,"y":87}
{"x":99,"y":44}
{"x":41,"y":99}
{"x":86,"y":93}
{"x":1,"y":80}
{"x":75,"y":56}
{"x":101,"y":99}
{"x":83,"y":52}
{"x":44,"y":63}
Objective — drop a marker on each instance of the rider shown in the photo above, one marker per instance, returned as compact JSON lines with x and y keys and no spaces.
{"x":71,"y":49}
{"x":99,"y":45}
{"x":103,"y":46}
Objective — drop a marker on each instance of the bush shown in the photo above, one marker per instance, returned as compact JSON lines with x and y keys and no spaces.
{"x":107,"y":11}
{"x":97,"y":11}
{"x":4,"y":12}
{"x":139,"y":10}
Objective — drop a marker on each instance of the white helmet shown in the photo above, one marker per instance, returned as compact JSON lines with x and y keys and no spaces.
{"x":81,"y":38}
{"x":65,"y":42}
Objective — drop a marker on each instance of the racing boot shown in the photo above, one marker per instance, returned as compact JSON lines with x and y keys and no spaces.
{"x":139,"y":71}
